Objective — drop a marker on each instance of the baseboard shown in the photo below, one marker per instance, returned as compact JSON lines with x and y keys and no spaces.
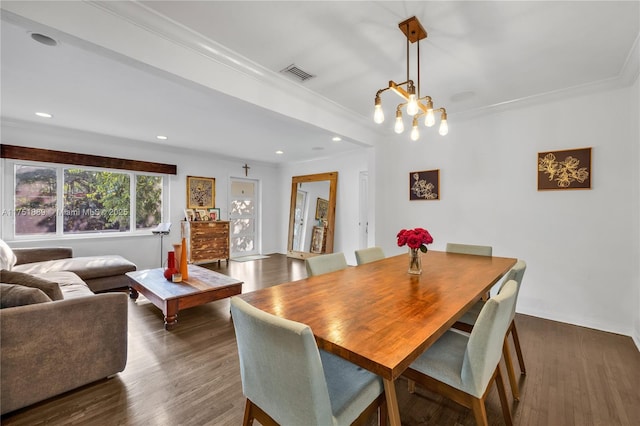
{"x":581,"y":322}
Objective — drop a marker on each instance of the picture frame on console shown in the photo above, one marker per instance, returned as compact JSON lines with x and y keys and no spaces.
{"x":213,"y":214}
{"x":204,"y":215}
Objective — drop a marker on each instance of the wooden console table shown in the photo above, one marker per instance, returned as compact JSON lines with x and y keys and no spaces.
{"x":208,"y":241}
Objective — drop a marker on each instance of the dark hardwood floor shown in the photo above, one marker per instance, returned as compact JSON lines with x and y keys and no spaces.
{"x":190,"y":376}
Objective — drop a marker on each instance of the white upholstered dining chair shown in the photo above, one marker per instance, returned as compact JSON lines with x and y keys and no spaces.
{"x":468,"y":320}
{"x":475,"y":250}
{"x":370,"y":254}
{"x":325,"y":263}
{"x":462,"y":367}
{"x":288,"y":381}
{"x":469,"y":249}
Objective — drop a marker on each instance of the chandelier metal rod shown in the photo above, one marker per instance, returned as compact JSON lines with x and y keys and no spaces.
{"x":408,"y":79}
{"x":418,"y":69}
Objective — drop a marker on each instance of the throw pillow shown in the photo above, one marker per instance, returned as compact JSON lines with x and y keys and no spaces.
{"x":7,"y":257}
{"x":17,"y":295}
{"x":50,"y":288}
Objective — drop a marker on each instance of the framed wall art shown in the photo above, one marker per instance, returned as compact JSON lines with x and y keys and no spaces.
{"x":201,"y":192}
{"x":566,"y":169}
{"x":322,"y":207}
{"x":424,"y":185}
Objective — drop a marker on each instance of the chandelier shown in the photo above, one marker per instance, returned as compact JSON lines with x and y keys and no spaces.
{"x":416,"y":106}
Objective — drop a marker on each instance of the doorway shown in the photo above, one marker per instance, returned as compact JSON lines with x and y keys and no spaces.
{"x":244,"y":217}
{"x":363,"y":210}
{"x":299,"y":222}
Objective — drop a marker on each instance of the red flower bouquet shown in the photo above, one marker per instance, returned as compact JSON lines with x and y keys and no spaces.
{"x":417,"y":238}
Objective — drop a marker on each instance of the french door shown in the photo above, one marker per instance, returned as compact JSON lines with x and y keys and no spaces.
{"x":243,"y":217}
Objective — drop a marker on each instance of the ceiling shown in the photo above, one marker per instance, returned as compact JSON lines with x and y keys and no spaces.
{"x":206,"y":73}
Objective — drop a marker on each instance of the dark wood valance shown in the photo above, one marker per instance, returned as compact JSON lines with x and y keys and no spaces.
{"x":62,"y":157}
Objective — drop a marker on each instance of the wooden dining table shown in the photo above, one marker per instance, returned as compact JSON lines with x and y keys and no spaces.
{"x":379,"y":316}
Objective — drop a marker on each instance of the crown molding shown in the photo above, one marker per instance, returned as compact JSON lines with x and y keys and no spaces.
{"x":163,"y":27}
{"x":148,"y":39}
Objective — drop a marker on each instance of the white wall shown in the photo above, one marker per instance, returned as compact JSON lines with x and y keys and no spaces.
{"x":145,"y":250}
{"x":581,"y":246}
{"x":348,"y":167}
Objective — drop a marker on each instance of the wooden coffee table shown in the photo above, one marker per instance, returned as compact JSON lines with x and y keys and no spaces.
{"x":203,"y":286}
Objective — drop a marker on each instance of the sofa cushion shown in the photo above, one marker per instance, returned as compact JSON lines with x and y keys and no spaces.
{"x":12,"y":295}
{"x":87,"y":267}
{"x":50,"y":288}
{"x":70,"y":284}
{"x":7,"y":257}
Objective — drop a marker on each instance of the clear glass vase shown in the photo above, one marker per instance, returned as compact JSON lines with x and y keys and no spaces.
{"x":415,"y":262}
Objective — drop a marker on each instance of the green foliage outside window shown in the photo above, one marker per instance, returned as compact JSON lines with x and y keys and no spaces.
{"x":93,"y":200}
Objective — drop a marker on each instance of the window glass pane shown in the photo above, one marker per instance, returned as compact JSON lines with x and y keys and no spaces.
{"x":242,"y":235}
{"x":148,"y":201}
{"x":96,"y":201}
{"x":242,"y":208}
{"x":242,"y":189}
{"x":242,"y":226}
{"x":35,"y":200}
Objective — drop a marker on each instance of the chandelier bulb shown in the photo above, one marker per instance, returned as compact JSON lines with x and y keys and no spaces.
{"x":444,"y":127}
{"x":378,"y":114}
{"x":399,"y":126}
{"x":412,"y":106}
{"x":415,"y":133}
{"x":430,"y":119}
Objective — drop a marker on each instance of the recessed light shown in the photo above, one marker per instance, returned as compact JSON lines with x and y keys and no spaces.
{"x":44,"y":115}
{"x":279,"y":152}
{"x":336,"y":139}
{"x":162,"y":138}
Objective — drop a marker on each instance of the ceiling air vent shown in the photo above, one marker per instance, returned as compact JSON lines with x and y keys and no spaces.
{"x":297,"y":73}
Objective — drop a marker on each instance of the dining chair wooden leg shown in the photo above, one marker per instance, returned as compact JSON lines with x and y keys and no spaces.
{"x":516,"y":343}
{"x":376,"y":406}
{"x":510,"y":372}
{"x":383,"y":414}
{"x":411,"y":386}
{"x":248,"y":417}
{"x":252,"y":411}
{"x":479,"y":411}
{"x":506,"y":413}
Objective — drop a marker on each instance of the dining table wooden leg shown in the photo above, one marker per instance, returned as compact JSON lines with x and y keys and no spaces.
{"x":392,"y":402}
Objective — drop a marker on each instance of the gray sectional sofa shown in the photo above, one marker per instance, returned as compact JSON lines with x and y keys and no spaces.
{"x":100,"y":273}
{"x":56,"y":334}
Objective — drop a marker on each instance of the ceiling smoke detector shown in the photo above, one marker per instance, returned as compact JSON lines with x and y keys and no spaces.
{"x":297,"y":73}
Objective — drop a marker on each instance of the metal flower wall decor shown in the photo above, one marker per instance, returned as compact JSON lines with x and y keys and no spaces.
{"x":568,"y":169}
{"x":424,"y":185}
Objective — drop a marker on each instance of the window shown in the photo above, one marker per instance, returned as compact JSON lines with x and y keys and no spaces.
{"x":54,"y":200}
